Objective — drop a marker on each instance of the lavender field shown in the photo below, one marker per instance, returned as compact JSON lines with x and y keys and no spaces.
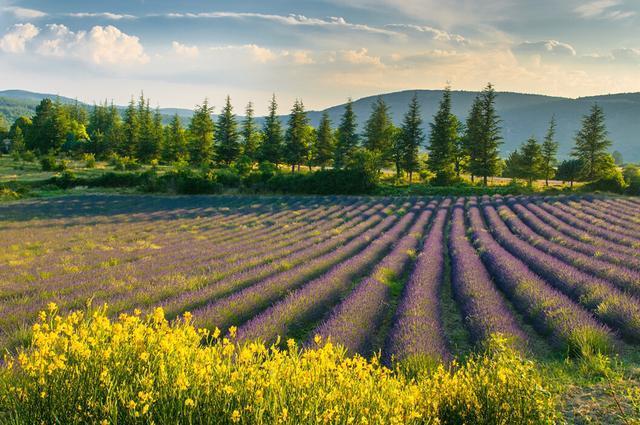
{"x":407,"y":277}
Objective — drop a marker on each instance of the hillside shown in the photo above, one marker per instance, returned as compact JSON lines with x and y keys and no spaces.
{"x":523,"y":115}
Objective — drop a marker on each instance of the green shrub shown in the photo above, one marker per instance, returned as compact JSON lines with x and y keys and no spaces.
{"x":613,"y":183}
{"x":89,"y":160}
{"x":324,"y":182}
{"x":227,"y":177}
{"x":49,"y":163}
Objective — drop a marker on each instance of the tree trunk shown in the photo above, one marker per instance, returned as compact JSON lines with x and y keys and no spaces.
{"x":410,"y":177}
{"x":293,"y":168}
{"x":485,"y":180}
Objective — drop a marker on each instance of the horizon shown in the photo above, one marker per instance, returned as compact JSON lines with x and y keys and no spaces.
{"x":283,"y":108}
{"x":322,"y":52}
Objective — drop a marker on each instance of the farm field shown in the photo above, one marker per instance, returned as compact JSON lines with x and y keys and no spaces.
{"x":413,"y":280}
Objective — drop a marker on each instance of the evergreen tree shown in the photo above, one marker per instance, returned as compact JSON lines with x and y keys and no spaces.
{"x":272,"y":138}
{"x":201,"y":129}
{"x":531,"y":161}
{"x":250,"y":135}
{"x":175,"y":142}
{"x":48,"y":130}
{"x":149,"y":141}
{"x":24,"y":124}
{"x":412,"y":138}
{"x":460,"y":154}
{"x":569,"y":170}
{"x":473,"y":133}
{"x":227,"y":136}
{"x":130,"y":130}
{"x":4,"y":127}
{"x":549,"y":152}
{"x":483,"y":131}
{"x":592,"y":144}
{"x":296,"y":149}
{"x":396,"y":150}
{"x":324,"y":146}
{"x":512,"y":165}
{"x":18,"y":145}
{"x":378,"y":133}
{"x":347,"y":139}
{"x":442,"y":141}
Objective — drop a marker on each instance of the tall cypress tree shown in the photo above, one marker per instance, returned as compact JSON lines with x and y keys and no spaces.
{"x":250,"y":134}
{"x":378,"y":132}
{"x":592,"y":144}
{"x":201,"y":130}
{"x":484,"y":135}
{"x":272,"y":138}
{"x":323,"y":150}
{"x":442,"y":141}
{"x":227,"y":136}
{"x":412,"y":138}
{"x":347,"y":137}
{"x":549,"y":151}
{"x":296,"y":148}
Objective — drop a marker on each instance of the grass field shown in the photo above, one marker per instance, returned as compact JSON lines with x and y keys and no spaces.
{"x":416,"y":281}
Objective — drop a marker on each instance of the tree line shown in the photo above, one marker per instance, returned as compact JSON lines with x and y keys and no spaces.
{"x":452,"y":147}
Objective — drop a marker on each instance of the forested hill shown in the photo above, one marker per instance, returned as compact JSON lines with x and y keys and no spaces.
{"x":523,"y":115}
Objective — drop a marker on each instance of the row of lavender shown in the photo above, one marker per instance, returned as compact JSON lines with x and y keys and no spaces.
{"x":367,"y":273}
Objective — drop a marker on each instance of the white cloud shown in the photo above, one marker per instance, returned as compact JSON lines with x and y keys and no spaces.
{"x":546,"y":47}
{"x":435,"y":33}
{"x":360,"y":57}
{"x":255,"y":52}
{"x":626,"y":54}
{"x":23,"y":13}
{"x":99,"y":46}
{"x":184,"y":50}
{"x":300,"y":57}
{"x":104,"y":15}
{"x":603,"y":9}
{"x":16,"y":39}
{"x":292,"y":19}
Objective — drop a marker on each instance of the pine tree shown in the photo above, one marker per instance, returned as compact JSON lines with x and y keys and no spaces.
{"x":592,"y":144}
{"x":272,"y":138}
{"x":131,"y":131}
{"x":484,"y":139}
{"x":347,"y":139}
{"x":227,"y":136}
{"x":18,"y":145}
{"x":549,"y":151}
{"x":324,"y":147}
{"x":47,"y":132}
{"x":175,"y":142}
{"x":460,"y":154}
{"x":250,"y":135}
{"x":378,"y":133}
{"x":442,"y":141}
{"x":531,"y":161}
{"x":296,"y":149}
{"x":412,"y":138}
{"x":569,"y":170}
{"x":149,"y":141}
{"x":473,"y":133}
{"x":201,"y":129}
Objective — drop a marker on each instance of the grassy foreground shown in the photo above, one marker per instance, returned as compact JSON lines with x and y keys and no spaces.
{"x":86,"y":368}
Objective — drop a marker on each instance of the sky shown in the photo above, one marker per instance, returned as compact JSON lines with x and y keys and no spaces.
{"x":320,"y":51}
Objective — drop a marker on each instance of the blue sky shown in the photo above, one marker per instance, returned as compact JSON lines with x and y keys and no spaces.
{"x":179,"y":52}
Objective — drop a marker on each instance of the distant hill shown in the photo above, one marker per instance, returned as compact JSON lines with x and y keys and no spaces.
{"x":523,"y":115}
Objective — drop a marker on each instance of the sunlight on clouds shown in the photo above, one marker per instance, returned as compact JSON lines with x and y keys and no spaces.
{"x":100,"y":46}
{"x":16,"y":39}
{"x":24,"y":13}
{"x":184,"y":50}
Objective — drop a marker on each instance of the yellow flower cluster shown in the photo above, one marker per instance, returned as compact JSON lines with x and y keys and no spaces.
{"x":86,"y":368}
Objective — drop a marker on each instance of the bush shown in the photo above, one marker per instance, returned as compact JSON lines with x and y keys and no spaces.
{"x":124,"y":163}
{"x":49,"y":163}
{"x":613,"y":183}
{"x":227,"y":177}
{"x":89,"y":160}
{"x":87,"y":369}
{"x":325,"y":182}
{"x":189,"y":182}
